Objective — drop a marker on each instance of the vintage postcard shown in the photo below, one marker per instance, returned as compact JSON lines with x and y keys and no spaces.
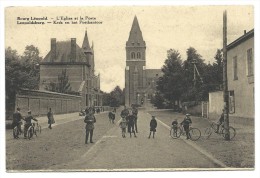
{"x":129,"y":88}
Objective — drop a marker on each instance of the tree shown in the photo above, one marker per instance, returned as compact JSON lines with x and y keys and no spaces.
{"x":62,"y":86}
{"x":30,"y":63}
{"x":171,"y":85}
{"x":18,"y":74}
{"x":115,"y":98}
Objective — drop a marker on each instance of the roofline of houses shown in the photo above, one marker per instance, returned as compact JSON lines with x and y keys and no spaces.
{"x":241,"y":39}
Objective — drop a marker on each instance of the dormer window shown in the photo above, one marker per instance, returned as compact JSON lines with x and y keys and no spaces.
{"x":133,"y":43}
{"x":138,"y":44}
{"x":132,"y":55}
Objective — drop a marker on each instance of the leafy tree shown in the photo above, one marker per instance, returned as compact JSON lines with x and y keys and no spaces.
{"x":62,"y":86}
{"x":158,"y":101}
{"x":19,"y":73}
{"x":115,"y":98}
{"x":171,"y":84}
{"x":30,"y":63}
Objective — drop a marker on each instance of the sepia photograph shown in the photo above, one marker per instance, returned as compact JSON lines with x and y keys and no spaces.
{"x":131,"y":88}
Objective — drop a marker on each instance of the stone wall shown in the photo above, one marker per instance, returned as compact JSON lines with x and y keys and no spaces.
{"x":39,"y":102}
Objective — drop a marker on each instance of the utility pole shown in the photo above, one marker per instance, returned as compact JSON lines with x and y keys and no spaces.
{"x":195,"y":70}
{"x":225,"y":81}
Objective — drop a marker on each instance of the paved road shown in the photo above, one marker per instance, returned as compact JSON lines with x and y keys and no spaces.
{"x":112,"y":152}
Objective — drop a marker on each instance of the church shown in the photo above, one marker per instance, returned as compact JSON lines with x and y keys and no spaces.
{"x":140,"y":83}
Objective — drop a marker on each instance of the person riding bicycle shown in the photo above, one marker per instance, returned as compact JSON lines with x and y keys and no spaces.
{"x":28,"y":122}
{"x":17,"y":120}
{"x":186,"y":124}
{"x":220,"y":121}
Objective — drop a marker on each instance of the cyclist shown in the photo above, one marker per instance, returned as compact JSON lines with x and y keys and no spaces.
{"x":28,"y":122}
{"x":220,"y":121}
{"x":186,"y":125}
{"x":17,"y":120}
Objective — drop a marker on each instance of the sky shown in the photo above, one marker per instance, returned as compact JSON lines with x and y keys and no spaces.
{"x":163,"y":28}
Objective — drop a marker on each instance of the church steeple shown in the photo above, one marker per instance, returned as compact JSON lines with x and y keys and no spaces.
{"x":85,"y":46}
{"x":135,"y":36}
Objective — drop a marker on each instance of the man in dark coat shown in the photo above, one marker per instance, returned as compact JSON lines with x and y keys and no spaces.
{"x":50,"y":118}
{"x":131,"y":123}
{"x":89,"y":120}
{"x":17,"y":120}
{"x":153,"y":125}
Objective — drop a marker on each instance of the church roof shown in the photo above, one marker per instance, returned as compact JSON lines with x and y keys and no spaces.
{"x":152,"y":73}
{"x":135,"y":36}
{"x":63,"y":54}
{"x":85,"y":45}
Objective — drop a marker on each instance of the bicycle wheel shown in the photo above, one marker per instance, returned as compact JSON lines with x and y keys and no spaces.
{"x":194,"y":134}
{"x":232,"y":132}
{"x":15,"y":132}
{"x":175,"y":133}
{"x":208,"y":132}
{"x":30,"y":132}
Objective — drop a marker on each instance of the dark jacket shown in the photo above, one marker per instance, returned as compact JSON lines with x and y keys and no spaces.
{"x":124,"y":113}
{"x":17,"y":117}
{"x":153,"y":123}
{"x":186,"y":122}
{"x":111,"y":115}
{"x":28,"y":119}
{"x":50,"y":117}
{"x":130,"y":119}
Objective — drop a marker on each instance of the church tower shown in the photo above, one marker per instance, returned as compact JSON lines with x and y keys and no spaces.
{"x":135,"y":74}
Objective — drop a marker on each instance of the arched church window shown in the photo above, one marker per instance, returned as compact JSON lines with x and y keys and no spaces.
{"x":132,"y":55}
{"x":138,"y":55}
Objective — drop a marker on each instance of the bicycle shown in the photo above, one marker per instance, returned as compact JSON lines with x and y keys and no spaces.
{"x":194,"y":133}
{"x":31,"y":131}
{"x":213,"y":128}
{"x":37,"y":128}
{"x":16,"y":132}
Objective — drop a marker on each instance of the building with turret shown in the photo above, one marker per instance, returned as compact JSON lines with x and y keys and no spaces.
{"x":140,"y":83}
{"x":79,"y":65}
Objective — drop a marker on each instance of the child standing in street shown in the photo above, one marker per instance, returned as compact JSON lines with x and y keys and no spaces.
{"x":123,"y":125}
{"x":153,"y":125}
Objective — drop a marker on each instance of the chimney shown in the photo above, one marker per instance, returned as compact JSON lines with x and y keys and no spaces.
{"x":244,"y":32}
{"x":73,"y":50}
{"x":53,"y":49}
